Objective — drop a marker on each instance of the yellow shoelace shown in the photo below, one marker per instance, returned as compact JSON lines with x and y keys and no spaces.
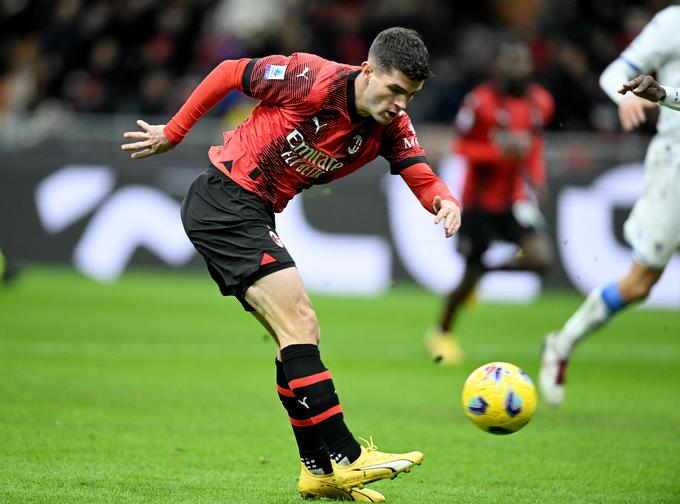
{"x":370,"y":446}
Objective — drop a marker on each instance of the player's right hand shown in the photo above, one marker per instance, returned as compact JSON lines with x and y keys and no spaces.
{"x":449,"y":212}
{"x":632,"y":111}
{"x":150,"y":141}
{"x":645,"y":87}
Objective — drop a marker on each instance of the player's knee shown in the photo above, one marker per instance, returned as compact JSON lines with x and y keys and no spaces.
{"x":309,"y":323}
{"x":301,"y":325}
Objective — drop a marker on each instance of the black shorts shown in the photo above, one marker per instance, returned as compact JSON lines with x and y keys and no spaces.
{"x":479,"y":228}
{"x":234,"y":231}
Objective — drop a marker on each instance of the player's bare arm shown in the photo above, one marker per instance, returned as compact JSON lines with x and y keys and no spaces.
{"x":644,"y":86}
{"x":148,"y":142}
{"x":449,"y":212}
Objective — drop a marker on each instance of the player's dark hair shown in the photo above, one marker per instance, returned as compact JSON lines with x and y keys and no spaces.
{"x":402,"y":49}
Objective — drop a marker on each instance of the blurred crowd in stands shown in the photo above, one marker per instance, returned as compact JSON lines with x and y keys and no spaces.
{"x":144,"y":56}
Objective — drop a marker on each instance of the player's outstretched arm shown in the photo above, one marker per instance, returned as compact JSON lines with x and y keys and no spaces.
{"x":148,"y":142}
{"x":449,"y":212}
{"x":645,"y":87}
{"x":434,"y":196}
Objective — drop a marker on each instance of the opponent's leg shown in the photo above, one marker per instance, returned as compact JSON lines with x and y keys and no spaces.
{"x":600,"y":305}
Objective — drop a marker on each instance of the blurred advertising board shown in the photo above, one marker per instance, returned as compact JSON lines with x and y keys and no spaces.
{"x":87,"y":204}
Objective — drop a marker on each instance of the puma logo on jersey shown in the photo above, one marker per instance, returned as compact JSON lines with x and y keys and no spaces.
{"x":304,"y":402}
{"x":315,"y":120}
{"x":304,"y":73}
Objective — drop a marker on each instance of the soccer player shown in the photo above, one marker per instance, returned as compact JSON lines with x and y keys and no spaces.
{"x":317,"y":121}
{"x":499,"y":131}
{"x":653,"y":227}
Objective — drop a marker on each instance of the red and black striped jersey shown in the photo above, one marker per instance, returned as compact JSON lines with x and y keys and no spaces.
{"x":305,"y":130}
{"x":493,"y":181}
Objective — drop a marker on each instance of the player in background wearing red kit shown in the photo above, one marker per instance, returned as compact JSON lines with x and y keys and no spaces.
{"x":499,"y":133}
{"x":317,"y":121}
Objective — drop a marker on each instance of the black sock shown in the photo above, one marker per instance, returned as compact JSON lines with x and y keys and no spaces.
{"x":313,"y":453}
{"x":313,"y":387}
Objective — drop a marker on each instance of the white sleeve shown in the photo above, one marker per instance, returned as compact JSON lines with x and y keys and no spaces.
{"x":617,"y":73}
{"x":645,"y":53}
{"x":672,"y":99}
{"x":654,"y":43}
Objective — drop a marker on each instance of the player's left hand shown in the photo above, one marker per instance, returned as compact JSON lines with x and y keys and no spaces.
{"x":632,"y":111}
{"x":449,"y":212}
{"x":645,"y":87}
{"x":150,"y":141}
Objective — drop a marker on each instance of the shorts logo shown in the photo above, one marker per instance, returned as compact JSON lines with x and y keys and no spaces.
{"x":353,"y":149}
{"x":275,"y":72}
{"x":275,"y":238}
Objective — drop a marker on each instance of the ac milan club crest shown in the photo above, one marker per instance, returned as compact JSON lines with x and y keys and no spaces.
{"x":275,"y":238}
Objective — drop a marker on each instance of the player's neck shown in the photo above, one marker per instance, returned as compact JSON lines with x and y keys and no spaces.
{"x":360,"y":85}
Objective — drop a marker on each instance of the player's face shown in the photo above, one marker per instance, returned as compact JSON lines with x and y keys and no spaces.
{"x":514,"y":66}
{"x":387,"y":93}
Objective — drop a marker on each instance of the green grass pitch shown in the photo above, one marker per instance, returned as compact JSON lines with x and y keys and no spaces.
{"x":157,"y":390}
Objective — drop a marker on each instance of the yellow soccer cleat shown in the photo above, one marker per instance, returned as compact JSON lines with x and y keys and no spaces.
{"x":373,"y":465}
{"x":312,"y":486}
{"x":443,"y":347}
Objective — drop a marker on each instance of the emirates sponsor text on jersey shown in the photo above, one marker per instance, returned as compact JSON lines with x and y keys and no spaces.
{"x":306,"y":159}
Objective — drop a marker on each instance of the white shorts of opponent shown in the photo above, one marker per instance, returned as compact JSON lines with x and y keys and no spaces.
{"x":653,"y":227}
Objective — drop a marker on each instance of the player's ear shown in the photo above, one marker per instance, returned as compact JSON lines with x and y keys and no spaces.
{"x":366,"y":69}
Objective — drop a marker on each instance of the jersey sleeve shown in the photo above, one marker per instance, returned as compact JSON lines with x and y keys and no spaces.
{"x":535,"y":163}
{"x":282,"y":80}
{"x":616,"y":73}
{"x":466,"y":117}
{"x":655,"y":42}
{"x":400,"y":146}
{"x":224,"y":78}
{"x":545,"y":102}
{"x":426,"y":185}
{"x":672,"y":99}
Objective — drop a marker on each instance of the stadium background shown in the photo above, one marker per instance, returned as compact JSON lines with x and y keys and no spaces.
{"x":126,"y":377}
{"x":75,"y":74}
